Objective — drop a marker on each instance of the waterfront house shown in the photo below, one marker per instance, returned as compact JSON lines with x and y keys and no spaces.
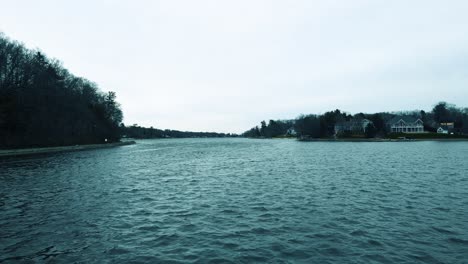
{"x":449,"y":125}
{"x":442,"y":130}
{"x":446,"y":128}
{"x":354,"y":126}
{"x":291,"y":132}
{"x":406,"y":124}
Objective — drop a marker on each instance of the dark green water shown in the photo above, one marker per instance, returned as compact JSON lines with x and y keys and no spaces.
{"x":239,"y":201}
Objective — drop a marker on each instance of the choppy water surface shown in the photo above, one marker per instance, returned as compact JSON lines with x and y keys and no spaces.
{"x":238,"y":200}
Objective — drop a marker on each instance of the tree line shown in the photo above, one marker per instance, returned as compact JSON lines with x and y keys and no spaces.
{"x":139,"y":132}
{"x":43,"y":104}
{"x":323,"y":126}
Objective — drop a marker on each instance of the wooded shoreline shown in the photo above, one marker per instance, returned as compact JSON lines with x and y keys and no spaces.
{"x":49,"y":150}
{"x":381,"y":139}
{"x":366,"y":139}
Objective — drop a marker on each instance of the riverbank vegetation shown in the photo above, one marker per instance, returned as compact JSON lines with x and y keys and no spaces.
{"x":139,"y":132}
{"x":451,"y":119}
{"x":42,"y":104}
{"x":49,"y":150}
{"x":427,"y":135}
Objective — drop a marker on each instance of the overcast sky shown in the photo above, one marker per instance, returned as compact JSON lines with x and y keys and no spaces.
{"x":226,"y":65}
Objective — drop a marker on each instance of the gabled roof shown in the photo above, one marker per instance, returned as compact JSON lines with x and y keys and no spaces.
{"x":407,"y":119}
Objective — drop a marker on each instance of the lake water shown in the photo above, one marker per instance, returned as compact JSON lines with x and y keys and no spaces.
{"x":238,"y":201}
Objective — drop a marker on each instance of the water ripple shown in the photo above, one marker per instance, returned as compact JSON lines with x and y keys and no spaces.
{"x":238,"y":201}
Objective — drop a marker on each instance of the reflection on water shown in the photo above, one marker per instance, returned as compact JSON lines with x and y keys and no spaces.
{"x":238,"y":200}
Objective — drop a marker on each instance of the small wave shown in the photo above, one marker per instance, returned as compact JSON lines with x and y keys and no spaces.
{"x":219,"y":260}
{"x":443,"y":209}
{"x":378,"y":258}
{"x":261,"y":231}
{"x":253,"y":259}
{"x":374,"y":242}
{"x":165,"y":240}
{"x":191,"y":257}
{"x":458,"y":241}
{"x":332,"y":251}
{"x":188,"y":228}
{"x":296,"y":254}
{"x":230,"y":245}
{"x":320,"y":235}
{"x":347,"y":221}
{"x":358,"y":233}
{"x":442,"y":230}
{"x":147,"y":199}
{"x":260,"y":208}
{"x":229,"y":211}
{"x":149,"y":228}
{"x":425,"y":258}
{"x":118,"y":251}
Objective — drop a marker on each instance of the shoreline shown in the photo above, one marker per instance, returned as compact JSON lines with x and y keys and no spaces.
{"x":382,"y":140}
{"x":48,"y":150}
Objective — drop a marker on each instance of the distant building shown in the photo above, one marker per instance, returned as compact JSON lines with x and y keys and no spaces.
{"x":406,"y":124}
{"x":442,"y":130}
{"x":291,"y":132}
{"x":449,"y":125}
{"x":354,"y":126}
{"x":446,"y":128}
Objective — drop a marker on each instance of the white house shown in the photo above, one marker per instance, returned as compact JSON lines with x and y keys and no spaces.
{"x":291,"y":132}
{"x":442,"y":130}
{"x":406,"y":124}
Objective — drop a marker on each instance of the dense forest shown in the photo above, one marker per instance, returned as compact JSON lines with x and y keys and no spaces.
{"x":42,"y":104}
{"x":324,"y":125}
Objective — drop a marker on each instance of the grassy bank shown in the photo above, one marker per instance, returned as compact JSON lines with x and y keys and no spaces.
{"x":34,"y":151}
{"x":346,"y":139}
{"x":427,"y":136}
{"x":395,"y":138}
